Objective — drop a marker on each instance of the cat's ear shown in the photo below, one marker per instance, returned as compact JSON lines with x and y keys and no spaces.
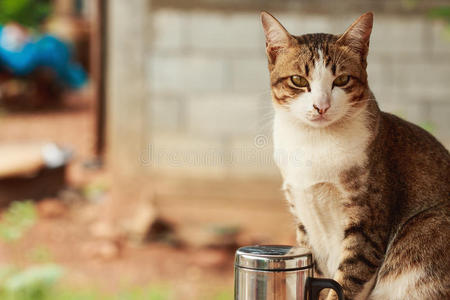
{"x":357,"y":36}
{"x":277,"y":37}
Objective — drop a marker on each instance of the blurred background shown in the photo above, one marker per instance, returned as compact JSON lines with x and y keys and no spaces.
{"x":135,"y":136}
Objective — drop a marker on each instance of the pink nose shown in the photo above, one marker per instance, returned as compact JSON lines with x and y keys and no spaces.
{"x":321,"y":108}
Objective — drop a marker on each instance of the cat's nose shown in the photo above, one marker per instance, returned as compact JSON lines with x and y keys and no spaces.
{"x":321,"y":108}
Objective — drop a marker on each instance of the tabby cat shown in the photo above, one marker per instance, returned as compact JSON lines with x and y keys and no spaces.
{"x":370,"y":192}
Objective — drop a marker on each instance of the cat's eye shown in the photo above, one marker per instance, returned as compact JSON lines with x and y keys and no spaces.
{"x":341,"y":80}
{"x":299,"y":81}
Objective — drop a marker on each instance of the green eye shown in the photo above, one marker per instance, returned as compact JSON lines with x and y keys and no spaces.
{"x":341,"y":80}
{"x":299,"y":81}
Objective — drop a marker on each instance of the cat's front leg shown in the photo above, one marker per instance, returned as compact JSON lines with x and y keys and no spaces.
{"x":360,"y":259}
{"x":303,"y":241}
{"x":302,"y":235}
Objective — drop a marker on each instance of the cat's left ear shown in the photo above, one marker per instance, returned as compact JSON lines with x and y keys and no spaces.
{"x":357,"y":36}
{"x":277,"y":37}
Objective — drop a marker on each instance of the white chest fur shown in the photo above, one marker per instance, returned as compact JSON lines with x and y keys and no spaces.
{"x":311,"y":161}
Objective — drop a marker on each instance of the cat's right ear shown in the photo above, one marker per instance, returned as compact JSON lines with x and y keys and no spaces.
{"x":277,"y":37}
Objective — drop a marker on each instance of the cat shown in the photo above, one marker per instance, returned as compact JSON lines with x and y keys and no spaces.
{"x":370,"y":192}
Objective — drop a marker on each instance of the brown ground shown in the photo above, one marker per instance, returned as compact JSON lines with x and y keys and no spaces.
{"x":194,"y":271}
{"x":191,"y":273}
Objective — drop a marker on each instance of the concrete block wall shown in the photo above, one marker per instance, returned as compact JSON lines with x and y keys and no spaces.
{"x":209,"y":84}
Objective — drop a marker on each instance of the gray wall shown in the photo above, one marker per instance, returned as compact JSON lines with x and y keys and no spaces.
{"x":208,"y":111}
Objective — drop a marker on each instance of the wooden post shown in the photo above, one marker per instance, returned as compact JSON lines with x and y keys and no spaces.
{"x":98,"y":70}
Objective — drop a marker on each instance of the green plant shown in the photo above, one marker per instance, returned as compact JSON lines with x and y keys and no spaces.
{"x":150,"y":293}
{"x":224,"y":295}
{"x":32,"y":283}
{"x":127,"y":293}
{"x":428,"y":126}
{"x":94,"y":191}
{"x":29,"y":13}
{"x":16,"y":220}
{"x":225,"y":229}
{"x":442,"y":13}
{"x":39,"y":283}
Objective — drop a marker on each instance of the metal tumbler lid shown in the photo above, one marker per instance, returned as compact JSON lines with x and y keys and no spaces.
{"x":273,"y":258}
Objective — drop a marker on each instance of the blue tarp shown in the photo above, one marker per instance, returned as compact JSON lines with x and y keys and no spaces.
{"x":45,"y":51}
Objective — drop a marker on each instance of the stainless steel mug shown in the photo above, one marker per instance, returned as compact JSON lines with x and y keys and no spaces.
{"x":277,"y":273}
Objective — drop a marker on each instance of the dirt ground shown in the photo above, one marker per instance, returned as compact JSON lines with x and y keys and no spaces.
{"x":192,"y":271}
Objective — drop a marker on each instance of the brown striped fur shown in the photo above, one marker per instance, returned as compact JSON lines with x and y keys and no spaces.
{"x":393,"y":198}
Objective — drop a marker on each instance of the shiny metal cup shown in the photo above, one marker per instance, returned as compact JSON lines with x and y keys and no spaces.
{"x":277,"y":273}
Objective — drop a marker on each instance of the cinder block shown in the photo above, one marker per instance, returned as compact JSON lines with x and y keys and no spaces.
{"x":183,"y":155}
{"x":169,"y":28}
{"x":299,"y":24}
{"x":250,"y":75}
{"x":386,"y":96}
{"x":379,"y":74}
{"x":225,"y":32}
{"x":252,"y":156}
{"x":342,"y":21}
{"x":427,"y":80}
{"x":415,"y":112}
{"x":397,"y":35}
{"x":440,"y":40}
{"x":266,"y":113}
{"x":440,"y":121}
{"x":217,"y":115}
{"x":186,"y":74}
{"x":165,"y":113}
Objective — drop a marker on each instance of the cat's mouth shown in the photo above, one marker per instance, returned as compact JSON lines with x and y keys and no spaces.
{"x":319,"y":119}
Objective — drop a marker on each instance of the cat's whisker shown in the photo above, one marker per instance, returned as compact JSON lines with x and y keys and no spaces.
{"x":360,"y":101}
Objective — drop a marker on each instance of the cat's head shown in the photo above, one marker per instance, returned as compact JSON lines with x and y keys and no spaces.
{"x":320,"y":78}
